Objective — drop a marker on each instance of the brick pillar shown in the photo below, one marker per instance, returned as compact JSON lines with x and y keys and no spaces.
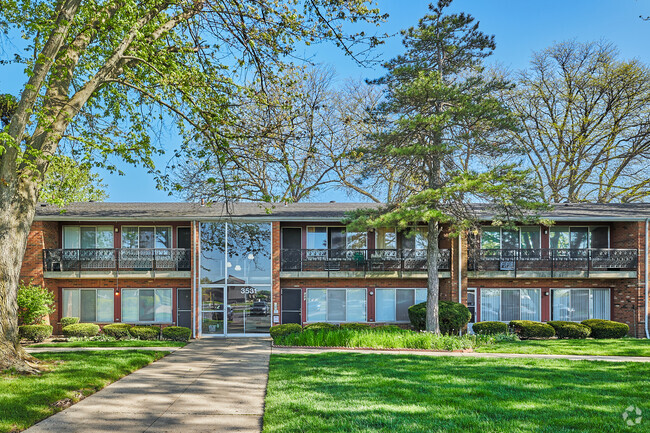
{"x":275,"y":275}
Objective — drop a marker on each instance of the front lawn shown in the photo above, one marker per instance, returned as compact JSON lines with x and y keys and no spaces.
{"x":116,"y":343}
{"x":622,"y":347}
{"x":361,"y":392}
{"x":25,"y":400}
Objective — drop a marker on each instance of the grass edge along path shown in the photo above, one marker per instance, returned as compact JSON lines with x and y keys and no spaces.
{"x":69,"y":377}
{"x":350,"y":392}
{"x":116,"y":343}
{"x":605,"y":347}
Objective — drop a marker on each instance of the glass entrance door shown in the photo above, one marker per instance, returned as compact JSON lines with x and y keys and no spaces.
{"x":212,"y":309}
{"x":251,"y":310}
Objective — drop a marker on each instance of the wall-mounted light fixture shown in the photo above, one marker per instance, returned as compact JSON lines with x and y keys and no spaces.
{"x":116,"y":230}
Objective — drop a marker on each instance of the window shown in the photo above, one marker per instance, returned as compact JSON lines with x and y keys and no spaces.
{"x":336,"y":305}
{"x":335,"y":238}
{"x":391,"y":305}
{"x":510,"y":304}
{"x":414,"y":240}
{"x":576,"y":305}
{"x":146,"y":237}
{"x":495,"y":238}
{"x":386,"y":239}
{"x":147,"y":305}
{"x":87,"y":237}
{"x":89,"y":305}
{"x":579,"y":238}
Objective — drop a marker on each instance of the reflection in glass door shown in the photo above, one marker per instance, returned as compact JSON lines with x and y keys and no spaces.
{"x":251,"y":307}
{"x":212,"y":311}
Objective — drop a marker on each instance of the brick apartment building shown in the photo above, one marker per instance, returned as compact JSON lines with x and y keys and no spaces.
{"x":235,"y":271}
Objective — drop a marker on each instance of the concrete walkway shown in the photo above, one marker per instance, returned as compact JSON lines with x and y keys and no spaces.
{"x":94,"y":349}
{"x":211,"y":385}
{"x":309,"y":351}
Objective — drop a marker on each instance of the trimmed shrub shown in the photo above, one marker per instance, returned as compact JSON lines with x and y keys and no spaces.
{"x":490,"y":328}
{"x":117,"y":330}
{"x":453,"y":316}
{"x":318,"y":326}
{"x":606,"y":328}
{"x":570,"y":330}
{"x":65,"y":321}
{"x":145,"y":332}
{"x":34,"y":303}
{"x":284,"y":329}
{"x":177,"y":333}
{"x":530,"y":329}
{"x":81,"y":330}
{"x":355,"y":326}
{"x":35,"y":333}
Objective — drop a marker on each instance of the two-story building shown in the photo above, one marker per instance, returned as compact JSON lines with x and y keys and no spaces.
{"x":236,"y":270}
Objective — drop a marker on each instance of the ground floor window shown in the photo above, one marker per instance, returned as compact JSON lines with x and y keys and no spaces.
{"x":147,"y":305}
{"x":511,"y":304}
{"x":576,"y":305}
{"x":336,"y":305}
{"x":391,"y":305}
{"x":89,"y":305}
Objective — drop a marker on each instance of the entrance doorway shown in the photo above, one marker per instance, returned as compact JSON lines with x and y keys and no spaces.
{"x":184,"y":307}
{"x":291,"y":305}
{"x":246,"y":310}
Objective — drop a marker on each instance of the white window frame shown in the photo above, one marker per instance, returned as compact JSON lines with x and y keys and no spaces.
{"x":588,"y":227}
{"x":95,"y":226}
{"x":395,"y":289}
{"x":96,"y":299}
{"x":327,"y":292}
{"x":155,"y":289}
{"x":155,"y":228}
{"x":591,"y":300}
{"x":500,"y":289}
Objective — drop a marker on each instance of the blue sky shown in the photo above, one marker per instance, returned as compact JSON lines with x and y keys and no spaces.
{"x":520,"y":27}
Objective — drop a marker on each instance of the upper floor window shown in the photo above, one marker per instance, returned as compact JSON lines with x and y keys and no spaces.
{"x":87,"y":237}
{"x":335,"y":238}
{"x":414,"y":239}
{"x":579,"y":237}
{"x":146,"y":237}
{"x":386,"y":239}
{"x":497,"y":238}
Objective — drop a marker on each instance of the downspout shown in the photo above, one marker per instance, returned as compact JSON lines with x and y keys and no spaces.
{"x":460,"y":272}
{"x":645,"y":272}
{"x":194,"y":269}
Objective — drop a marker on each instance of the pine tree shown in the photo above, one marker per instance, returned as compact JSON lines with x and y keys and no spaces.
{"x":442,"y":130}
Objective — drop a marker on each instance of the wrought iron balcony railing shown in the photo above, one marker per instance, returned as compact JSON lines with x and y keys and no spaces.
{"x":552,"y":260}
{"x":315,"y":260}
{"x":116,"y":259}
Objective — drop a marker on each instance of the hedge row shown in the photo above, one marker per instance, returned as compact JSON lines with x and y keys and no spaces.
{"x":294,"y":328}
{"x":124,"y":330}
{"x":595,"y":328}
{"x":452,"y":316}
{"x":35,"y":333}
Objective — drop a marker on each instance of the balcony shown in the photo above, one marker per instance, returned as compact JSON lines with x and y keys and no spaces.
{"x":114,"y":262}
{"x":553,"y":263}
{"x":347,"y":263}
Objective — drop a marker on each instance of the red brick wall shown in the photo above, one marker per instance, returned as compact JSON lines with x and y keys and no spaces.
{"x":44,"y":234}
{"x":275,"y":273}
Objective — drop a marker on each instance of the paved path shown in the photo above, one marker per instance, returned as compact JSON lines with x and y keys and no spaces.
{"x":94,"y":349}
{"x":211,"y":385}
{"x":306,"y":351}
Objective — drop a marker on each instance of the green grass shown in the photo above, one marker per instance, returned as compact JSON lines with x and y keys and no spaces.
{"x":622,"y":347}
{"x":380,"y":339}
{"x":24,"y":400}
{"x":117,"y":343}
{"x":364,"y":392}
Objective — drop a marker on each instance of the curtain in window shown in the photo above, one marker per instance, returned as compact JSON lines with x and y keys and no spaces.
{"x":130,"y":305}
{"x":579,"y":305}
{"x":356,"y":305}
{"x":600,"y":304}
{"x":405,"y":298}
{"x":71,"y":238}
{"x":88,"y":306}
{"x":531,"y":308}
{"x":510,"y":303}
{"x":88,"y":238}
{"x":146,"y":305}
{"x":71,"y":303}
{"x":163,"y":305}
{"x":316,"y":305}
{"x":385,"y":305}
{"x":105,"y":309}
{"x":561,"y":304}
{"x":336,"y":305}
{"x":490,"y":305}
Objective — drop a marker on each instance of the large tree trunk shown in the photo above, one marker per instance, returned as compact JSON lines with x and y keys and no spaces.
{"x":433,"y":282}
{"x":17,"y":206}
